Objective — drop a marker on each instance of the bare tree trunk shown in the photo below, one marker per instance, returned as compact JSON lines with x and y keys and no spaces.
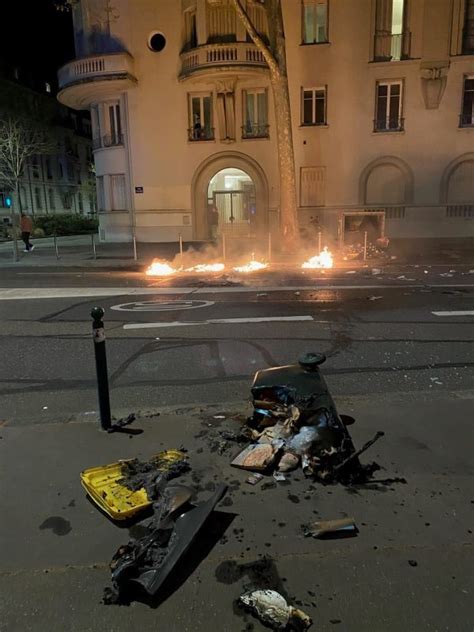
{"x":275,"y":56}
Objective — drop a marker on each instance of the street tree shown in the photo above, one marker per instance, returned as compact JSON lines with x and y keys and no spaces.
{"x":274,"y":53}
{"x":20,"y":140}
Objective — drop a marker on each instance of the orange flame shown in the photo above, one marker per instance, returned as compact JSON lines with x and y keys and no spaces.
{"x":160,"y":268}
{"x":323,"y":260}
{"x":251,"y":266}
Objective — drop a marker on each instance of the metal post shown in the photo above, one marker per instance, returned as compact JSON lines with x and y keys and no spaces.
{"x":98,"y":334}
{"x":269,"y":246}
{"x":319,"y":242}
{"x":93,"y":246}
{"x":181,"y":248}
{"x":56,"y":249}
{"x":135,"y":255}
{"x":223,"y":247}
{"x":365,"y":245}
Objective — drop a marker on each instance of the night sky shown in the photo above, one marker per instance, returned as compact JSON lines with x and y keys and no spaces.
{"x":36,"y":37}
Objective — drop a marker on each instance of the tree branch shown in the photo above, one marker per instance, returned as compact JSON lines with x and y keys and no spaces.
{"x":257,"y":40}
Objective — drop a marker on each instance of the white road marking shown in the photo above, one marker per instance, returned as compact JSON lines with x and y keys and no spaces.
{"x":82,"y":292}
{"x":218,"y":321}
{"x":458,"y":313}
{"x":155,"y":306}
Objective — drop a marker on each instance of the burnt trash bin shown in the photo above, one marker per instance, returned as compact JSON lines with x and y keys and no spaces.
{"x":303,"y":386}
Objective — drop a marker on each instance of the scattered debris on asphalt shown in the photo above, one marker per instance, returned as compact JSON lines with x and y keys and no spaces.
{"x":413,"y":562}
{"x":124,"y":488}
{"x":253,"y":479}
{"x":273,"y":610}
{"x":147,"y":562}
{"x":122,"y":423}
{"x":376,"y":271}
{"x":295,"y":422}
{"x":320,"y":529}
{"x":375,"y":298}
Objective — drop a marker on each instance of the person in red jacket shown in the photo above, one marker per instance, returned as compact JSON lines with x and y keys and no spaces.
{"x":26,"y":226}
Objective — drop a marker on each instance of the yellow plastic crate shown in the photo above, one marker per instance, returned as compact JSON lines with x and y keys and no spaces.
{"x":119,"y":502}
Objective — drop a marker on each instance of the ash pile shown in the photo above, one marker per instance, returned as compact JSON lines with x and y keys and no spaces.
{"x":295,"y":424}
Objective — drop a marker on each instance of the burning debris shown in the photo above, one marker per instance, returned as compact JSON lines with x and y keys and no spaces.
{"x":295,"y":422}
{"x":206,"y":267}
{"x":323,"y":260}
{"x":160,"y":268}
{"x":251,"y":266}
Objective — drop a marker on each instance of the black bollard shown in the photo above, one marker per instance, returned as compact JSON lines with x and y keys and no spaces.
{"x":98,"y":333}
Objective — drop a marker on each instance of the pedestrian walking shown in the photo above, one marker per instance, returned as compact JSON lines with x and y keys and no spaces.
{"x":26,"y":226}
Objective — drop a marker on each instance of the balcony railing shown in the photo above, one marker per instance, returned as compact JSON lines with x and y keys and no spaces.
{"x":108,"y":140}
{"x":113,"y":65}
{"x":466,"y":120}
{"x":389,"y":124}
{"x":214,"y":56}
{"x":255,"y":130}
{"x":202,"y":133}
{"x":392,"y":47}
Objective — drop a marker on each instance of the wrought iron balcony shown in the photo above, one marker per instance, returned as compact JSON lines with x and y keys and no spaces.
{"x":243,"y":56}
{"x":255,"y":130}
{"x":389,"y":124}
{"x":392,"y":47}
{"x":200,"y":133}
{"x":466,"y":120}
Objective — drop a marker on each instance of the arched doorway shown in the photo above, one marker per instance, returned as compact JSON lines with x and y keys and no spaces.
{"x":231,"y":193}
{"x":240,"y":173}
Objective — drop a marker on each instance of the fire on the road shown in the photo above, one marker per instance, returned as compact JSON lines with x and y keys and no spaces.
{"x":160,"y":268}
{"x":206,"y":267}
{"x":251,"y":266}
{"x":323,"y":260}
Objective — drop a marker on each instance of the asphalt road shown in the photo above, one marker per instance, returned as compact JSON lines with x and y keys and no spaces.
{"x":171,"y":347}
{"x":400,"y":359}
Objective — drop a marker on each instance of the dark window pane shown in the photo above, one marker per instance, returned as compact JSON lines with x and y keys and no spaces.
{"x":320,"y":111}
{"x":469,"y":84}
{"x":395,"y":89}
{"x":394,"y":111}
{"x":308,"y":109}
{"x":382,"y":90}
{"x":381,"y":113}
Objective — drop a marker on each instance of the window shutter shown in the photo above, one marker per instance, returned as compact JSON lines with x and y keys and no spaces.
{"x":312,"y":186}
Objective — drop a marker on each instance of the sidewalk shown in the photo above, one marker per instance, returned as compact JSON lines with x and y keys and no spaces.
{"x":78,"y":251}
{"x":56,"y":546}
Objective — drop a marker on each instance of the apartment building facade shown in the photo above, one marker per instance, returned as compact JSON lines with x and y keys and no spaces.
{"x":61,"y":182}
{"x":382,"y":98}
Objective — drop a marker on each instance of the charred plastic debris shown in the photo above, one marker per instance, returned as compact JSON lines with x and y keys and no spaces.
{"x":294,"y":425}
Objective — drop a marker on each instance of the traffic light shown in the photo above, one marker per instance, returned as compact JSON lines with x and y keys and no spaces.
{"x":8,"y":202}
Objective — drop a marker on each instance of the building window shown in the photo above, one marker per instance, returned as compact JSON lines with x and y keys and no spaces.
{"x":100,"y":193}
{"x":60,"y":169}
{"x":80,"y":202}
{"x":388,"y":109}
{"x":312,"y":186}
{"x":70,"y":171}
{"x":467,"y":113}
{"x":49,"y":171}
{"x":38,"y":198}
{"x":258,"y":17}
{"x":117,"y":190}
{"x":255,"y":114}
{"x":468,"y":30}
{"x":190,"y":29}
{"x":221,"y":22}
{"x":51,"y":199}
{"x":315,"y":21}
{"x":200,"y":117}
{"x":35,"y":168}
{"x":115,"y":126}
{"x":392,"y":38}
{"x":313,"y":106}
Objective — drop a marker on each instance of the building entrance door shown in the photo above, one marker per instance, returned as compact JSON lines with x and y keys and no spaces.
{"x":232,"y":193}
